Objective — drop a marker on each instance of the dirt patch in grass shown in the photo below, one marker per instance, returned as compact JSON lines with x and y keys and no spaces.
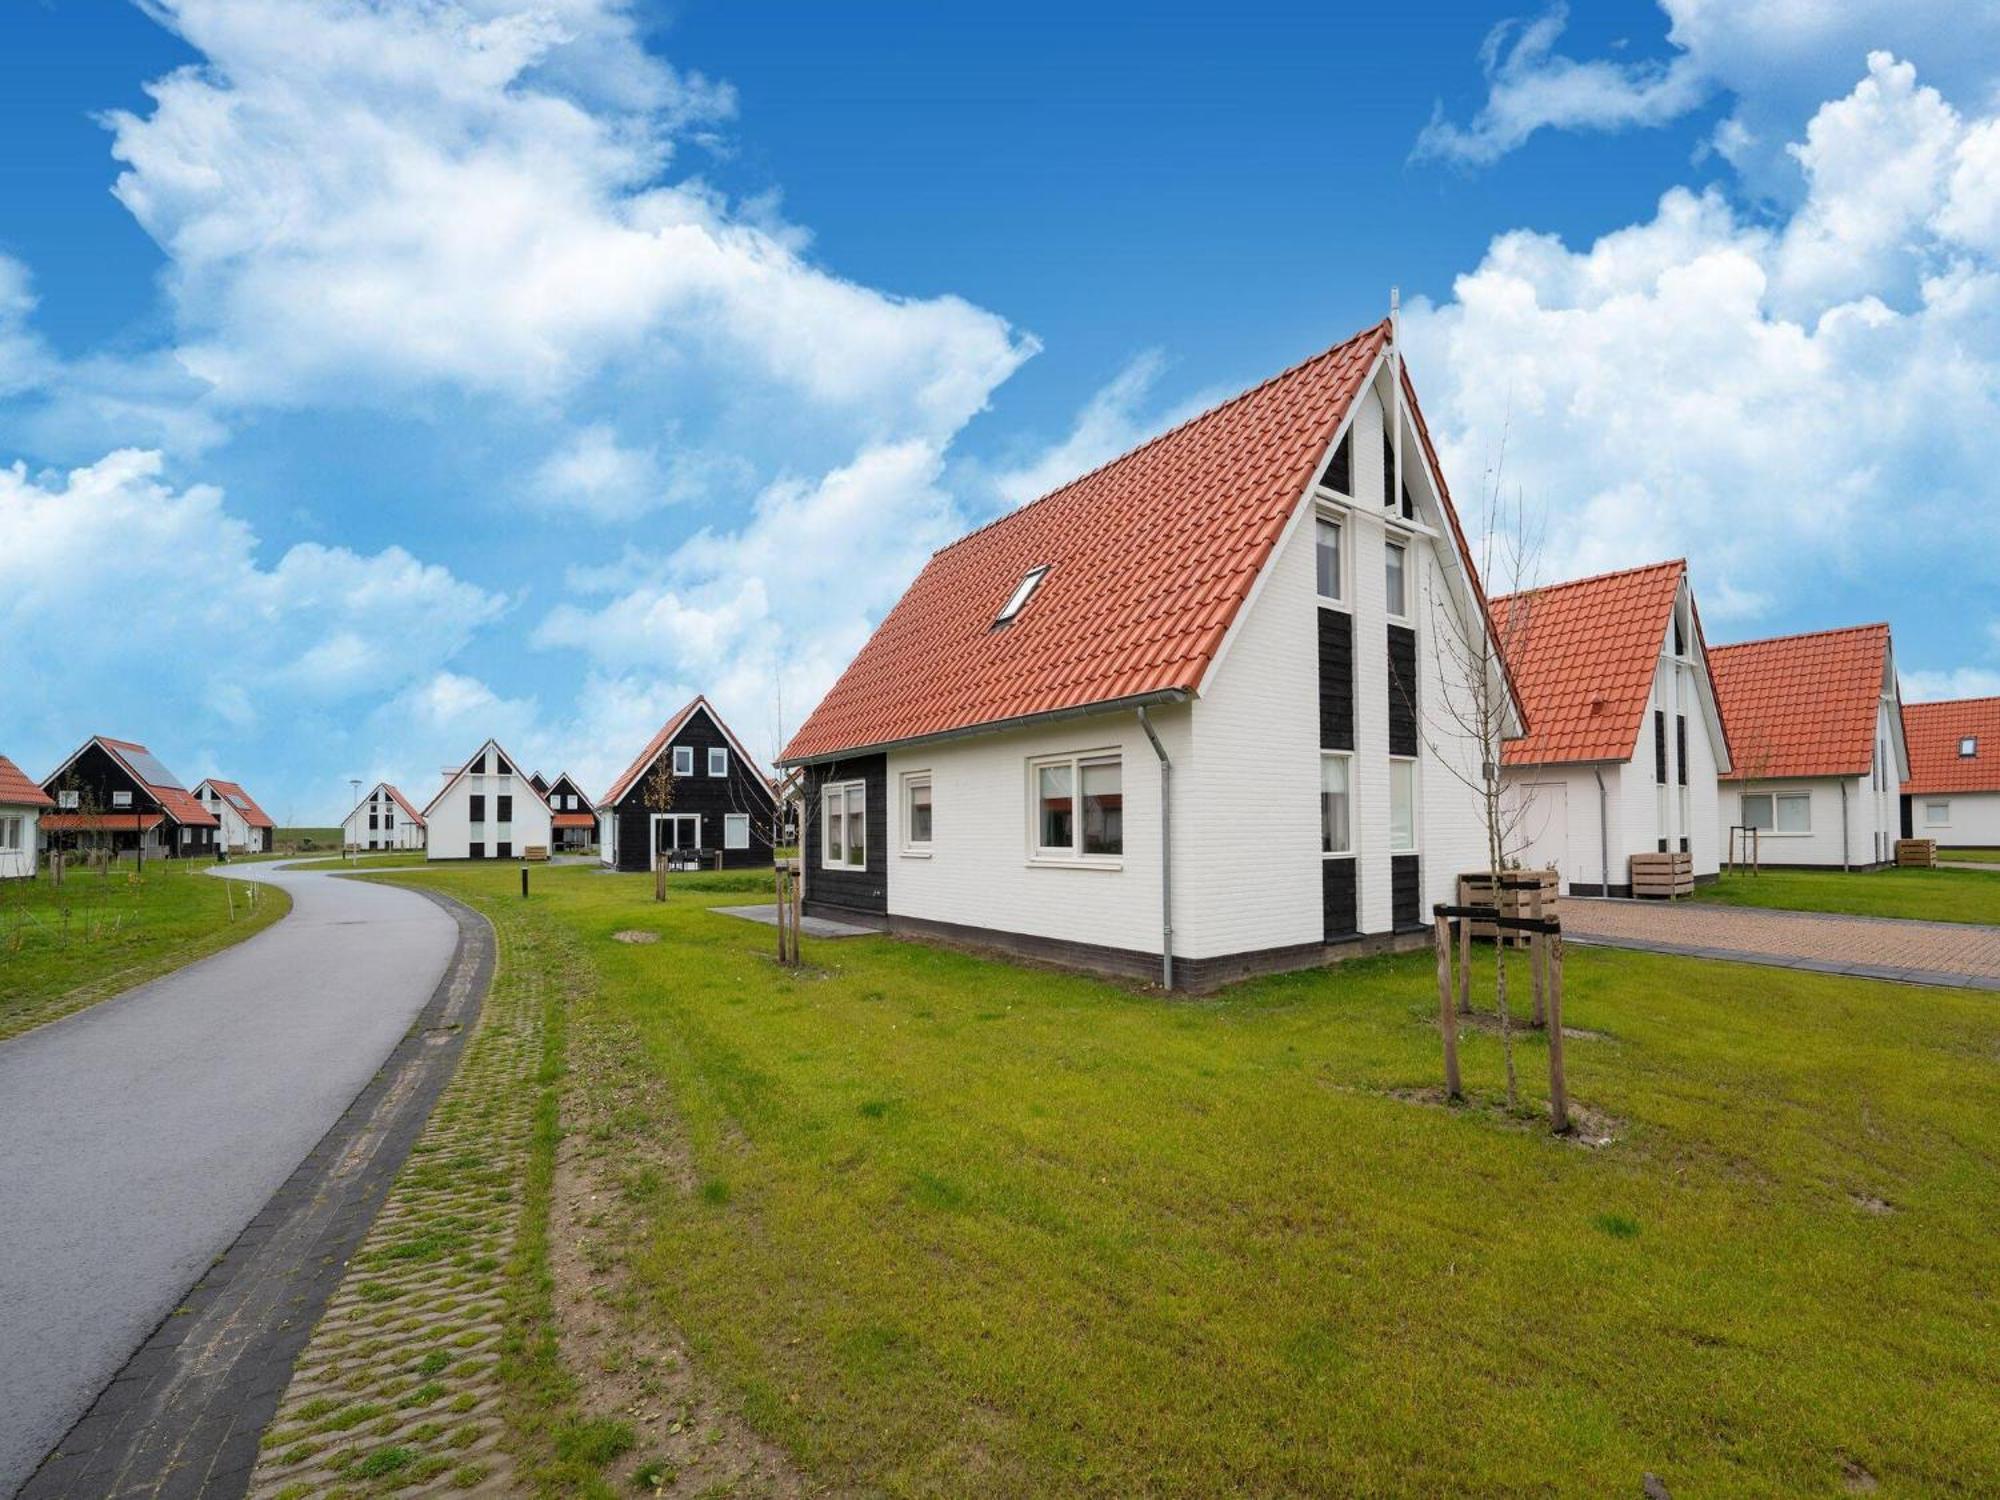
{"x":1589,"y":1127}
{"x":631,"y":1366}
{"x":632,"y":935}
{"x":1868,"y":1203}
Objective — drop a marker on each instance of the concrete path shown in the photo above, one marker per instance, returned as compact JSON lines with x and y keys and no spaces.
{"x":1960,"y":955}
{"x":821,"y":927}
{"x":143,"y":1134}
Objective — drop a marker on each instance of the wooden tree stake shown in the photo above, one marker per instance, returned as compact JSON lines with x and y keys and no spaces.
{"x":1465,"y":968}
{"x":1558,"y":1081}
{"x":1447,"y":1017}
{"x":1538,"y":958}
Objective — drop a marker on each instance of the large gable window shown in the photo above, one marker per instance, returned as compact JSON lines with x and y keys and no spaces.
{"x":1778,"y":812}
{"x":1338,"y":475}
{"x":1079,"y":807}
{"x":1023,"y":592}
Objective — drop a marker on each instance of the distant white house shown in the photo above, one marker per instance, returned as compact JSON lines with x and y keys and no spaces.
{"x":1815,"y":726}
{"x":1625,"y":741}
{"x":22,"y":804}
{"x":1953,"y":791}
{"x":383,"y":819}
{"x":246,"y":827}
{"x":487,"y":809}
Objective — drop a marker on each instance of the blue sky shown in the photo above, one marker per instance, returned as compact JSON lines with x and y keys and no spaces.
{"x":378,"y":376}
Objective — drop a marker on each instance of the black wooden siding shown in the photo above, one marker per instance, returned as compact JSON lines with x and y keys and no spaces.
{"x":95,"y":775}
{"x":1681,"y":748}
{"x":1340,"y":899}
{"x":1660,"y":746}
{"x":711,"y":798}
{"x":1402,"y":690}
{"x":866,"y":888}
{"x":1336,"y":680}
{"x":1405,"y":892}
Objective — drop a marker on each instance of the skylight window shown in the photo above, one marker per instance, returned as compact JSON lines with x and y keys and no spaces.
{"x":1023,"y":592}
{"x":1968,"y":747}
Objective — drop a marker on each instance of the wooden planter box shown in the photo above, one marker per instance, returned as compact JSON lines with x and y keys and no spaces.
{"x":1919,"y":852}
{"x":1477,"y":889}
{"x":1662,"y":877}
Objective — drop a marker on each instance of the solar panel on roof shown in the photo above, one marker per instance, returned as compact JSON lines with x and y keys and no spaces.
{"x":149,"y":770}
{"x":238,"y":803}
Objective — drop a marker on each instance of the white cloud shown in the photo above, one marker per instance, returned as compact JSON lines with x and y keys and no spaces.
{"x":114,"y":582}
{"x":1531,"y":87}
{"x":359,"y":199}
{"x":1955,"y":682}
{"x":1761,"y":396}
{"x":1116,"y":419}
{"x":1776,"y":60}
{"x":23,"y":359}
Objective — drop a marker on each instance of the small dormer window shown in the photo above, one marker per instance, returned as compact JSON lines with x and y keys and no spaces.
{"x":1338,"y":475}
{"x":1968,"y":747}
{"x":1023,"y":592}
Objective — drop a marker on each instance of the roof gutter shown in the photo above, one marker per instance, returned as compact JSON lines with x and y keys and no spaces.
{"x":997,"y":726}
{"x":1166,"y":853}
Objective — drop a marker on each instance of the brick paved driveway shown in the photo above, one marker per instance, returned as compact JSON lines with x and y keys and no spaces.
{"x":1958,"y":954}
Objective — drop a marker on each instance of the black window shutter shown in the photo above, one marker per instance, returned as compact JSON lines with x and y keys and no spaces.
{"x":478,"y":810}
{"x":1681,"y":747}
{"x":506,"y":809}
{"x":1660,"y":746}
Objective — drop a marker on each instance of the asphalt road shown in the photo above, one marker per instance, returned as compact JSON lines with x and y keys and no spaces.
{"x":139,"y":1137}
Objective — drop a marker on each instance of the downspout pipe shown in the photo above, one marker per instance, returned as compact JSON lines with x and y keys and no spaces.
{"x":1166,"y":852}
{"x":1603,"y":832}
{"x":1843,"y":825}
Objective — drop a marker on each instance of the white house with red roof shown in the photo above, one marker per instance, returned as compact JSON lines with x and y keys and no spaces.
{"x":722,"y":805}
{"x":1626,"y":740}
{"x":246,"y":827}
{"x":22,"y":806}
{"x":1816,"y":729}
{"x":486,"y":809}
{"x":116,"y":795}
{"x":1952,"y":793}
{"x":384,"y":819}
{"x":1184,"y":718}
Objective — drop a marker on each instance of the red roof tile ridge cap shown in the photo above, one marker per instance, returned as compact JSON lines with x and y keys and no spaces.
{"x":1158,"y":438}
{"x":1677,"y":563}
{"x":1802,"y":635}
{"x":1951,"y":702}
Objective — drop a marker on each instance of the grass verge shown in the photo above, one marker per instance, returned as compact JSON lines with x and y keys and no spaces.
{"x":97,"y":935}
{"x":1972,"y":856}
{"x":1930,"y":895}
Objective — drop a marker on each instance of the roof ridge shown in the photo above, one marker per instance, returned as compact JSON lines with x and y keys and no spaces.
{"x":1570,"y":583}
{"x":1158,"y":438}
{"x":1954,"y":702}
{"x":1802,"y":635}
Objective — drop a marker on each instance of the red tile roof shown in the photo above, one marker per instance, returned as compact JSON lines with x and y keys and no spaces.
{"x":124,"y":822}
{"x":404,"y":802}
{"x":1802,"y":705}
{"x":245,"y":805}
{"x":573,"y":820}
{"x":1584,"y":655}
{"x":17,"y":791}
{"x":1149,"y":560}
{"x":1933,"y":731}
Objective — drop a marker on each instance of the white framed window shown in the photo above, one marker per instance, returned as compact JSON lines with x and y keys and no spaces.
{"x":1395,"y":578}
{"x":1402,"y":806}
{"x":916,"y":812}
{"x":10,"y":834}
{"x":1968,"y":747}
{"x":68,"y":801}
{"x":718,"y":760}
{"x":844,"y":814}
{"x":1937,"y":814}
{"x":1023,"y":592}
{"x":1336,"y":802}
{"x":736,"y":830}
{"x":684,"y":760}
{"x":1778,"y":812}
{"x":1079,"y":807}
{"x":1329,"y":558}
{"x":121,"y":799}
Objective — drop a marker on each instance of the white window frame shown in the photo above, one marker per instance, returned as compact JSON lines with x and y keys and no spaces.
{"x":912,"y":846}
{"x":10,"y":833}
{"x":683,"y":767}
{"x":1416,"y":843}
{"x":736,"y":830}
{"x":121,"y":799}
{"x":841,"y":795}
{"x":1773,"y":795}
{"x":1073,"y":857}
{"x":1400,"y":544}
{"x":1968,"y":746}
{"x":69,"y":801}
{"x":1346,"y":756}
{"x":1342,"y":549}
{"x":1023,"y":592}
{"x":713,"y":752}
{"x":1931,"y":822}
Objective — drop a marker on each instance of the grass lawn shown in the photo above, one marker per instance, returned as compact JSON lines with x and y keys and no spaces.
{"x":1935,"y":895}
{"x":943,"y":1225}
{"x":1972,"y":856}
{"x":63,"y":949}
